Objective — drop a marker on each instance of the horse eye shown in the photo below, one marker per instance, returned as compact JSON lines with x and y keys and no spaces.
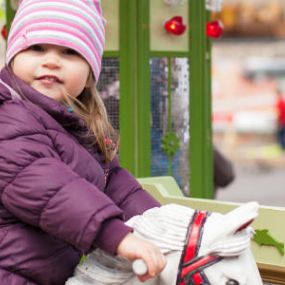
{"x":232,"y":282}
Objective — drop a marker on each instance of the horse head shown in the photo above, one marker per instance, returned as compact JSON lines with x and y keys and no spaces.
{"x":218,"y":249}
{"x":201,"y":248}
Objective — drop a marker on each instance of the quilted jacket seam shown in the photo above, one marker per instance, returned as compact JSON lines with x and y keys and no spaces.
{"x":92,"y":218}
{"x":13,"y":179}
{"x":52,"y":196}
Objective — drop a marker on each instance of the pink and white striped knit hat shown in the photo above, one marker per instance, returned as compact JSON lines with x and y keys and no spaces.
{"x":77,"y":24}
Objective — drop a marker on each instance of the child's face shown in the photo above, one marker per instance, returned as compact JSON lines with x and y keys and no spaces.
{"x":52,"y":70}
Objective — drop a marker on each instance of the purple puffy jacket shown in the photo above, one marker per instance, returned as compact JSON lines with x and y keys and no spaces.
{"x":55,"y":201}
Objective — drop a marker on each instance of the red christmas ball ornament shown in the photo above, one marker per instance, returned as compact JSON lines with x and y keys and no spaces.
{"x":215,"y":29}
{"x":4,"y":32}
{"x":175,"y":26}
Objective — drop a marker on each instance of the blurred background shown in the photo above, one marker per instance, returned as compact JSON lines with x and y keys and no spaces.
{"x":248,"y":68}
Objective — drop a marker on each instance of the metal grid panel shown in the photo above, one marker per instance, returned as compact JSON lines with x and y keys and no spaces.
{"x":180,"y":117}
{"x":109,"y":88}
{"x":170,"y":118}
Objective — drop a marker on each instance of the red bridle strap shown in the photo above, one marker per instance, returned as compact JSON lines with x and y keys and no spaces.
{"x":190,"y":266}
{"x":199,"y":263}
{"x":194,"y":235}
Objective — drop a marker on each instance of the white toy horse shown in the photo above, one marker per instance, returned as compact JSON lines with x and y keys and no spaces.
{"x":201,"y":249}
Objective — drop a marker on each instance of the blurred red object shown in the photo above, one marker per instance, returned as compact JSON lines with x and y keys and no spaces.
{"x":215,"y":29}
{"x":175,"y":26}
{"x":4,"y":32}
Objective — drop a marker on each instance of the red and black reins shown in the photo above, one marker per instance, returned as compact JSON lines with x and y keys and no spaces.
{"x":191,"y":267}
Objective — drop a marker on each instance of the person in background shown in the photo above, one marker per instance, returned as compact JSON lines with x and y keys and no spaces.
{"x":224,"y":173}
{"x":280,"y":110}
{"x":63,"y":191}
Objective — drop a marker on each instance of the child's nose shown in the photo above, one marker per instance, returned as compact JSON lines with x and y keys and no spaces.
{"x":51,"y":60}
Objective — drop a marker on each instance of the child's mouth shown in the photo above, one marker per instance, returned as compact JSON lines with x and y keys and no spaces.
{"x":49,"y":79}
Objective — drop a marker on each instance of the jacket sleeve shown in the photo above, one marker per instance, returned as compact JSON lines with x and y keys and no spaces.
{"x":42,"y":191}
{"x":127,"y":193}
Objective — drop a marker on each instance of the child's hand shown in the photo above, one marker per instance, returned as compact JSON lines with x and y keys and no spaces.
{"x":132,"y":247}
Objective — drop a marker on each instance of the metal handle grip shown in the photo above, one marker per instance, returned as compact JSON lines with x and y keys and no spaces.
{"x":139,"y":267}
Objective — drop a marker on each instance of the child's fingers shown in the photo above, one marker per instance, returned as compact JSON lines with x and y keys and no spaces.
{"x":146,"y":270}
{"x":143,"y":278}
{"x":133,"y":248}
{"x":155,"y":262}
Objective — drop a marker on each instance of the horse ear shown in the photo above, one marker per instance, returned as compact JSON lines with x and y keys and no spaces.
{"x":241,"y":217}
{"x":223,"y":234}
{"x":245,"y":226}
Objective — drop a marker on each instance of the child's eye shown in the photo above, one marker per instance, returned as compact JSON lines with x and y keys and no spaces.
{"x":70,"y":51}
{"x":37,"y":48}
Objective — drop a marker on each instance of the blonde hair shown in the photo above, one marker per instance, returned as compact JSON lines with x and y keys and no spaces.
{"x":90,"y":107}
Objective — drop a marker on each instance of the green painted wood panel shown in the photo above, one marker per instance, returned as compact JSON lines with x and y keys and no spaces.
{"x":135,"y":87}
{"x":111,"y":12}
{"x":201,"y":149}
{"x":160,"y":40}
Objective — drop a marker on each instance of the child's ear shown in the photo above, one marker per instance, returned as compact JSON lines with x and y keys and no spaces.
{"x":90,"y":80}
